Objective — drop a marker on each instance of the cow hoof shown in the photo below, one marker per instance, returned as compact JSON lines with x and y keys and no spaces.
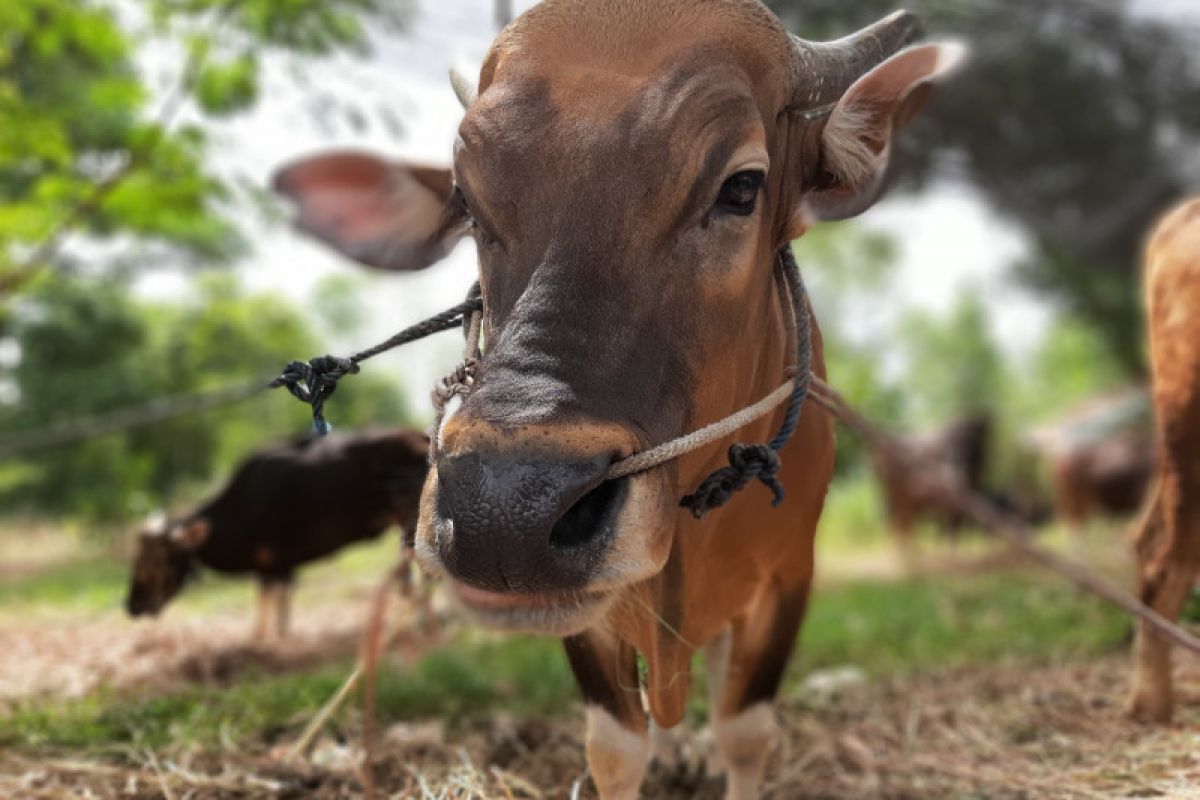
{"x":666,"y":746}
{"x":1150,"y":708}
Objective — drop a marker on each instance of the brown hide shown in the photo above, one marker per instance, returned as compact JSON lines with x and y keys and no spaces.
{"x":1168,"y":545}
{"x":954,"y":455}
{"x":1107,"y":477}
{"x":285,"y":506}
{"x":629,"y":170}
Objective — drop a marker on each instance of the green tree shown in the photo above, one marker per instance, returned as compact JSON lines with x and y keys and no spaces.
{"x":1075,"y":118}
{"x":85,"y":145}
{"x":953,"y":365}
{"x":847,"y":268}
{"x":1070,"y":365}
{"x":87,"y":348}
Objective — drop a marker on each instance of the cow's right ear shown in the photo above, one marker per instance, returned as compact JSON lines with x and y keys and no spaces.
{"x":384,"y":214}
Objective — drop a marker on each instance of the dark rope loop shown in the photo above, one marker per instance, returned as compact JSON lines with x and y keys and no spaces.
{"x":761,"y":461}
{"x":747,"y":462}
{"x":315,"y":381}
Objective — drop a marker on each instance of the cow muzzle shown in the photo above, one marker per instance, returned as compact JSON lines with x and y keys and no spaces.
{"x":538,"y":539}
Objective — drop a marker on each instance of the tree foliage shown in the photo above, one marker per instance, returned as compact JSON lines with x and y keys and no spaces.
{"x":87,"y":347}
{"x":1076,"y":118}
{"x":88,"y":145}
{"x":85,"y":143}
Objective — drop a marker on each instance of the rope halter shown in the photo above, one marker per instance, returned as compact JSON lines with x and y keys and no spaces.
{"x":314,"y":382}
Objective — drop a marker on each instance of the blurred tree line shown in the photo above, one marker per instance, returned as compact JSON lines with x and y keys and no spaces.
{"x":1077,"y":119}
{"x":1074,"y":120}
{"x":87,"y":346}
{"x":93,"y":151}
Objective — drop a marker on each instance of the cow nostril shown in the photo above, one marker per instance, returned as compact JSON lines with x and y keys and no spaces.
{"x":591,"y":518}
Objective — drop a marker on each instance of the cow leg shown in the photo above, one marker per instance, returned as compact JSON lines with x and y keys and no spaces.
{"x":618,"y":742}
{"x":665,"y":744}
{"x":744,"y":720}
{"x":283,"y":607}
{"x":903,"y":534}
{"x":717,"y":654}
{"x":261,"y":605}
{"x":1166,"y":574}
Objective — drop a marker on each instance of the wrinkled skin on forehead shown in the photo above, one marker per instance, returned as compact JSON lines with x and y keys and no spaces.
{"x":584,"y":287}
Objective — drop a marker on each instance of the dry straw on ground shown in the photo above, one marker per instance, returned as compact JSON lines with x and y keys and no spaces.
{"x":995,"y":732}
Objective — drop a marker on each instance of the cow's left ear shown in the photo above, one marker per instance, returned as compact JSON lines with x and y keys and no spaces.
{"x":190,"y":535}
{"x":856,"y":138}
{"x":383,"y":214}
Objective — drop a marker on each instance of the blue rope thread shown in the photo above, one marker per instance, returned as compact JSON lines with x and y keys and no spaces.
{"x":313,"y":382}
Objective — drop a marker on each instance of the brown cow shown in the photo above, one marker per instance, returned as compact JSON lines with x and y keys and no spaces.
{"x":1100,"y":456}
{"x":629,"y":170}
{"x":1168,"y":537}
{"x":285,"y":506}
{"x":1108,"y":477}
{"x":954,"y":455}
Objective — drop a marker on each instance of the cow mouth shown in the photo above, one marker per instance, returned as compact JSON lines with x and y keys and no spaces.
{"x":555,"y":613}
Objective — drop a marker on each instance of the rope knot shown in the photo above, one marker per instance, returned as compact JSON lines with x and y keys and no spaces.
{"x":314,"y":382}
{"x":747,"y":462}
{"x":457,"y":384}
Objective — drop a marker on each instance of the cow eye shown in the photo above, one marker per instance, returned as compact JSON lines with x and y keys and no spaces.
{"x":460,"y":208}
{"x":482,"y":236}
{"x":740,"y":191}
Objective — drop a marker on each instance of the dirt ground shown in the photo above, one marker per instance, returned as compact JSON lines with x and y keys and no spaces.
{"x":997,"y":732}
{"x":990,"y":731}
{"x":72,"y":658}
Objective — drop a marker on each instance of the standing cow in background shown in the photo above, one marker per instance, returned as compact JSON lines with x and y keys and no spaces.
{"x":1100,"y":457}
{"x":284,"y":507}
{"x":955,"y":455}
{"x":1108,"y":477}
{"x":630,"y":171}
{"x":1168,"y":537}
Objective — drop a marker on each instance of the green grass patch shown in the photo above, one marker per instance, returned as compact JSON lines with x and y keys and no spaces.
{"x":476,"y":675}
{"x":945,"y":620}
{"x":884,"y":628}
{"x":96,"y":580}
{"x":86,"y":584}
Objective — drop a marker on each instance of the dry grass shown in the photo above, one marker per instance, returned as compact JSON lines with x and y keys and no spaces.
{"x":994,"y":732}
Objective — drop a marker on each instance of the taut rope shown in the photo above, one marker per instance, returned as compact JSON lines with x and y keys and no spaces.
{"x":315,"y":382}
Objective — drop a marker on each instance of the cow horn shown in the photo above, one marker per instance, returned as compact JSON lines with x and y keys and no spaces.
{"x":463,"y":87}
{"x":827,"y":69}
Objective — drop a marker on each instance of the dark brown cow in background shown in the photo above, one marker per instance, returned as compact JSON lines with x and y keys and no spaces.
{"x":956,"y":455}
{"x":1168,"y":536}
{"x":1100,"y":457}
{"x":1106,"y":478}
{"x":284,"y":507}
{"x":630,"y":170}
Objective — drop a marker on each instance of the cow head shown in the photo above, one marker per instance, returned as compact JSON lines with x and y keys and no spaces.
{"x":628,"y":172}
{"x":163,"y":563}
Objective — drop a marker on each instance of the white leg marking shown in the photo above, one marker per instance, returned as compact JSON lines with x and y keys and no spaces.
{"x":259,"y":631}
{"x":665,"y":744}
{"x":745,"y":742}
{"x":283,"y":609}
{"x":717,"y":655}
{"x":617,"y":756}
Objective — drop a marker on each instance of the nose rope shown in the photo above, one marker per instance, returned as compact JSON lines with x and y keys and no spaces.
{"x":761,"y":461}
{"x":794,"y":389}
{"x":458,"y":383}
{"x":315,"y":382}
